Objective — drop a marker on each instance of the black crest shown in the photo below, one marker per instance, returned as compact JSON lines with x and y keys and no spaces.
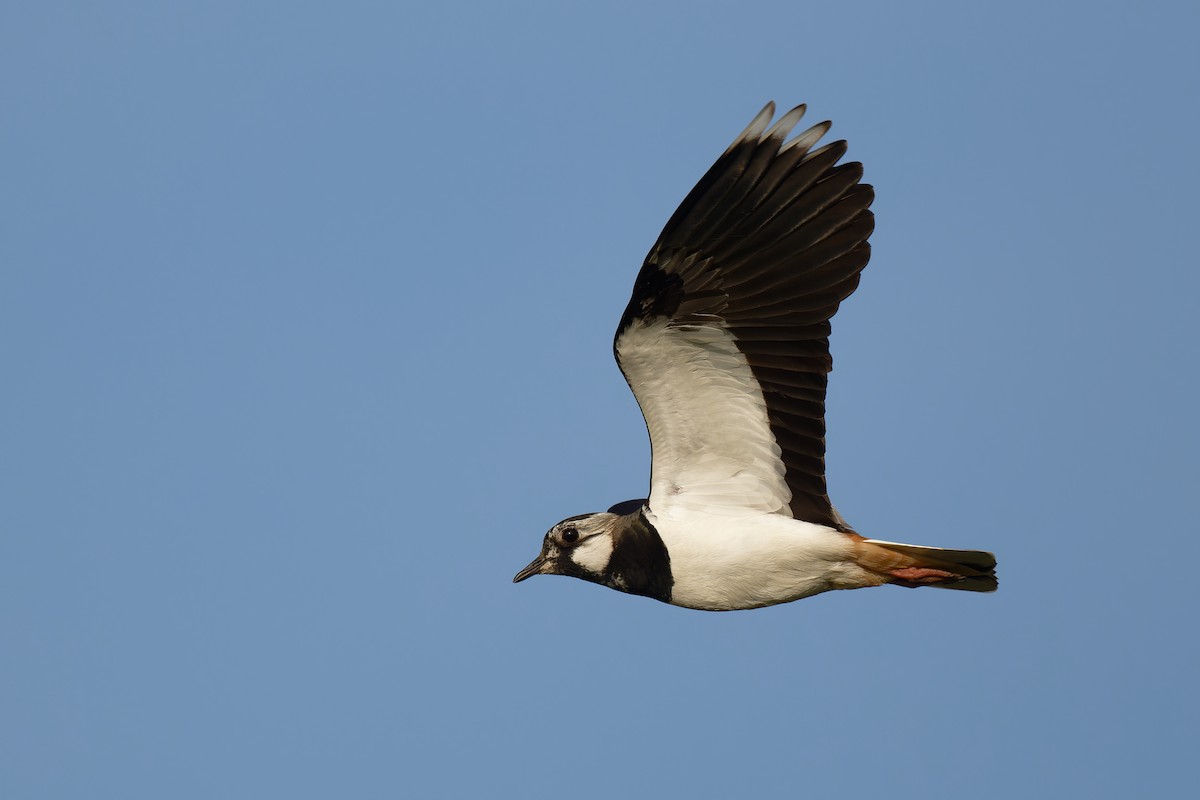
{"x":628,"y":507}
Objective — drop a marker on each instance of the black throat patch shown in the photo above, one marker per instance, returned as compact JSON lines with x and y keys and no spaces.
{"x":639,"y":563}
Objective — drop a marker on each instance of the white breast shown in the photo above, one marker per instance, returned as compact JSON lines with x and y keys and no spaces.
{"x":725,"y":563}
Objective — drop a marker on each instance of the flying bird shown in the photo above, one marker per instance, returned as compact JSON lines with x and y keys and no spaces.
{"x":725,"y":344}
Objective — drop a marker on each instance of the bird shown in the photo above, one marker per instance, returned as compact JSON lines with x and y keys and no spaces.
{"x":725,"y":345}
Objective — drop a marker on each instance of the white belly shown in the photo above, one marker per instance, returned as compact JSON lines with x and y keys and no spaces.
{"x":725,"y":563}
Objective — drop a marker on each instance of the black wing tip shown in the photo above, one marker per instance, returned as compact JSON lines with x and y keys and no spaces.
{"x":756,"y":130}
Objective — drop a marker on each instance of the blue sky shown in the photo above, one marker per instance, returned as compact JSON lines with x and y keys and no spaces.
{"x":305,"y":328}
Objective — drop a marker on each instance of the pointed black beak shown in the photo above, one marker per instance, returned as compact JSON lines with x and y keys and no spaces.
{"x":534,"y":568}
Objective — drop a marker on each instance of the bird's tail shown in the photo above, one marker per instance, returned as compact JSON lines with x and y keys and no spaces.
{"x":913,"y":565}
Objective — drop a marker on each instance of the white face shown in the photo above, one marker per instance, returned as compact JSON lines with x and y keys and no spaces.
{"x":586,"y":541}
{"x":593,"y":553}
{"x":580,"y":547}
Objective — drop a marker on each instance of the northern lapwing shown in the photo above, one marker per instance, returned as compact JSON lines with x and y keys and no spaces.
{"x":725,"y":344}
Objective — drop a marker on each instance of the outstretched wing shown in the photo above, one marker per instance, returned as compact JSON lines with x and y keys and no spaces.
{"x":725,"y":341}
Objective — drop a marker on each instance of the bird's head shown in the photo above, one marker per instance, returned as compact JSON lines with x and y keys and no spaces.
{"x":578,"y":546}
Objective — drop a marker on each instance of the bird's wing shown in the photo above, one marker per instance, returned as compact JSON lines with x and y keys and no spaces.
{"x":725,"y":339}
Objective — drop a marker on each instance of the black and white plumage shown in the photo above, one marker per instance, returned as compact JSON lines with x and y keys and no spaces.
{"x":725,"y":344}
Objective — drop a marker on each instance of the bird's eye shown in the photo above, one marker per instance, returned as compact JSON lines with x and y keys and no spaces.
{"x":570,"y":535}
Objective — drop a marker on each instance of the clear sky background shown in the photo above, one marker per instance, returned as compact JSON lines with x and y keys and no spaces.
{"x":305,"y":328}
